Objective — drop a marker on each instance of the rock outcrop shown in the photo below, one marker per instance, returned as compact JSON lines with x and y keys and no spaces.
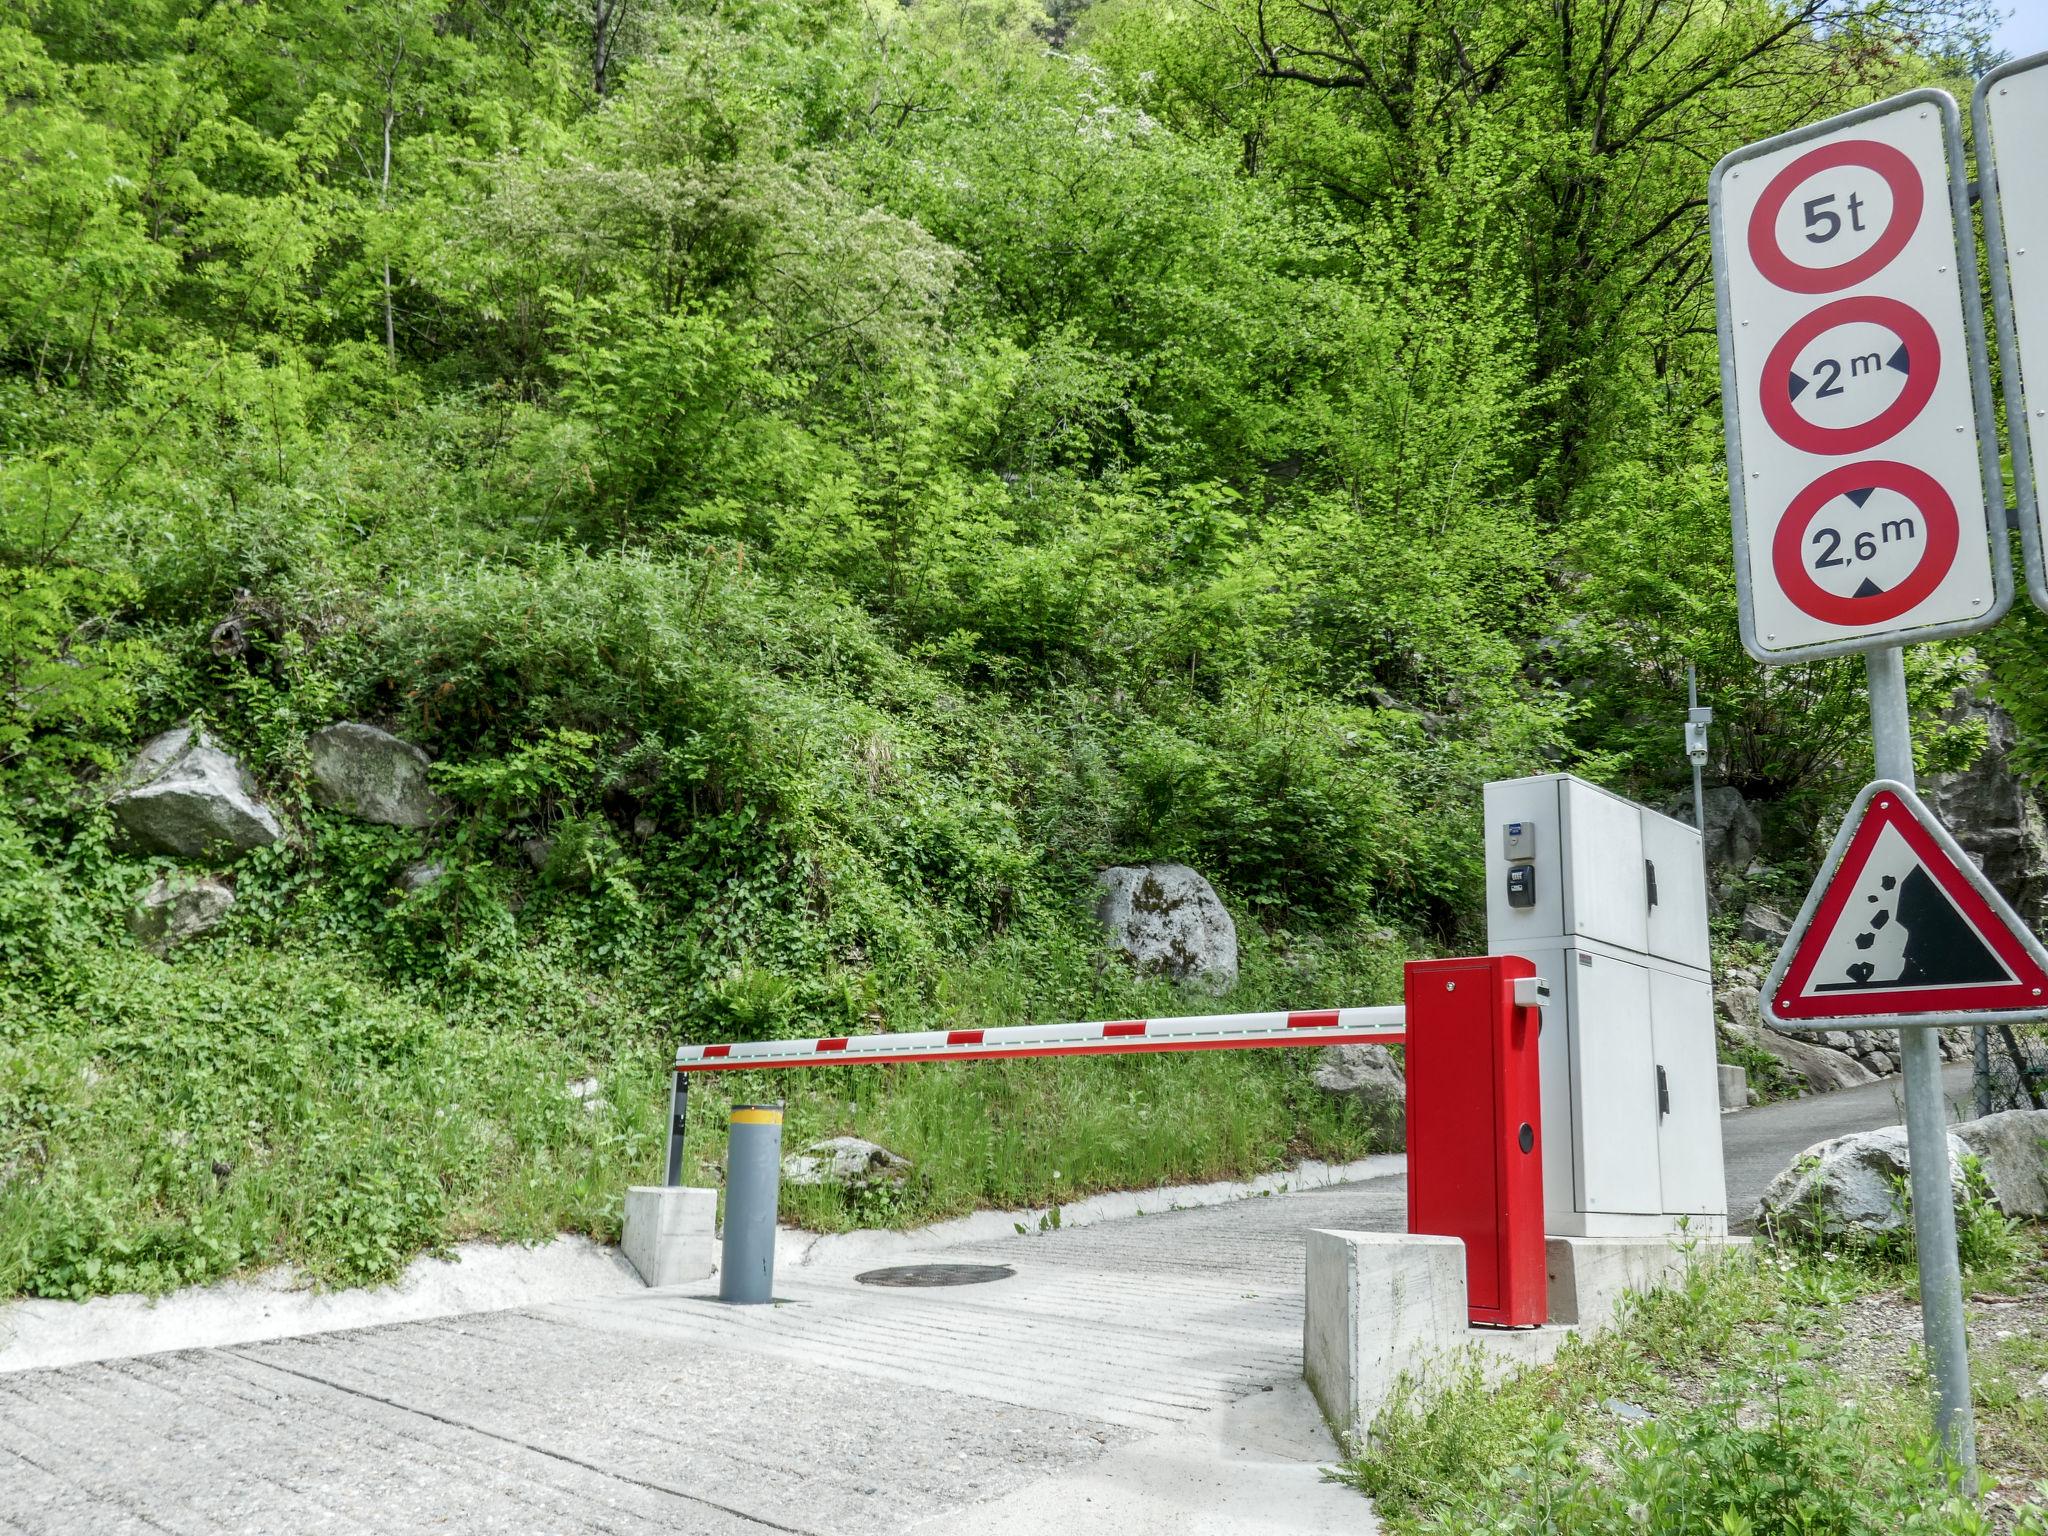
{"x":176,"y":908}
{"x":1993,"y":815}
{"x":373,"y":775}
{"x":845,"y":1161}
{"x":1852,"y":1184}
{"x":1733,"y":834}
{"x":1168,"y":921}
{"x":186,"y":797}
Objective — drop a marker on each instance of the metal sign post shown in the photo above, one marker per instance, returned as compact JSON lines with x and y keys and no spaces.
{"x":1866,"y":501}
{"x":2010,"y":109}
{"x":1934,"y":1212}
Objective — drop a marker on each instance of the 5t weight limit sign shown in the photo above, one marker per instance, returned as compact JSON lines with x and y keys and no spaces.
{"x":1861,"y":455}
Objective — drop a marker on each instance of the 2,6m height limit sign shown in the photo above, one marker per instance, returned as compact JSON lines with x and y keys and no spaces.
{"x":1863,"y":461}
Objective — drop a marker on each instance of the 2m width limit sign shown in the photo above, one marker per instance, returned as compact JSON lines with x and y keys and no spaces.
{"x":1862,"y":456}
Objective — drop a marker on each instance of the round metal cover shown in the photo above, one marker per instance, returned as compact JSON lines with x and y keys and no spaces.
{"x":936,"y":1274}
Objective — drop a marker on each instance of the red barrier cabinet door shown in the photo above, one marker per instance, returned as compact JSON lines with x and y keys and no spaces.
{"x":1475,"y":1160}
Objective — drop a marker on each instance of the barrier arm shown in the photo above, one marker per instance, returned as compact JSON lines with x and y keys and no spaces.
{"x":1205,"y":1032}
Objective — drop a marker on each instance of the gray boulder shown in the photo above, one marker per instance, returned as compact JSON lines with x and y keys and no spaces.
{"x":1993,"y":815}
{"x":1741,"y":1007}
{"x":184,"y":796}
{"x":372,"y":774}
{"x":1168,"y":921}
{"x":1853,"y":1184}
{"x":1367,"y":1075}
{"x":1765,"y":925}
{"x":176,"y":908}
{"x":845,"y":1161}
{"x":2013,"y":1149}
{"x":1822,"y":1068}
{"x":1733,"y":834}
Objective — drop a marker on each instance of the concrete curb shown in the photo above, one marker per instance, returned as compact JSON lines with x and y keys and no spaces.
{"x":798,"y":1248}
{"x":278,"y":1304}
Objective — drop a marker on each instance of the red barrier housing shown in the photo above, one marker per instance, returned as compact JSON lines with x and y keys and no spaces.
{"x":1475,"y":1128}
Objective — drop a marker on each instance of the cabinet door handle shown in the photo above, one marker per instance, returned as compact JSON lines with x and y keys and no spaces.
{"x":1650,"y":879}
{"x":1663,"y":1094}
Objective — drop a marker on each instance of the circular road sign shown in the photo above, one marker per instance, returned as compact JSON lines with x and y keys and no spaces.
{"x":1907,"y":196}
{"x":1934,"y":536}
{"x":1915,"y":357}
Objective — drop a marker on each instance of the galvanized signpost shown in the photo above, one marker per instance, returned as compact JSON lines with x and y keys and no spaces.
{"x":1869,"y":514}
{"x":2010,"y":109}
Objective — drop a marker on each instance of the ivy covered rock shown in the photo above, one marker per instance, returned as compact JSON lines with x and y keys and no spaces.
{"x":184,"y":796}
{"x":1168,"y":921}
{"x":373,"y":775}
{"x":176,"y":908}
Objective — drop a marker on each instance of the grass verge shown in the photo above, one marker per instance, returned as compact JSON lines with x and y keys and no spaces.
{"x":165,"y":1124}
{"x":1783,"y":1393}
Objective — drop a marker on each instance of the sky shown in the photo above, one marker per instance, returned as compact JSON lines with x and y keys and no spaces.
{"x":2026,"y":30}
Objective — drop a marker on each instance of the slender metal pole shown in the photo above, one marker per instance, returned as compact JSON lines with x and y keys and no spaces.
{"x":678,"y":1114}
{"x":1934,"y":1214}
{"x":1692,"y":702}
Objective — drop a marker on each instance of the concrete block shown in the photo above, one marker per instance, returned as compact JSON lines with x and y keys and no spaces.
{"x":671,"y":1234}
{"x":1377,"y":1304}
{"x":1589,"y":1274}
{"x":1734,"y":1086}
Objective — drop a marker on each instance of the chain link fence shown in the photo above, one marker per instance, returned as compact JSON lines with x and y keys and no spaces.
{"x":2012,"y":1068}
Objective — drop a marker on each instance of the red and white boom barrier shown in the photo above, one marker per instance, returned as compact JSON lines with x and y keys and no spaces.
{"x":1209,"y":1032}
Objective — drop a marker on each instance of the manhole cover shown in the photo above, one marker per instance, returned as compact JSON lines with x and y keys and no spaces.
{"x":936,"y":1274}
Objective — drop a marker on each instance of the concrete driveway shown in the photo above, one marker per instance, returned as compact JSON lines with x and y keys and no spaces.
{"x":1138,"y":1375}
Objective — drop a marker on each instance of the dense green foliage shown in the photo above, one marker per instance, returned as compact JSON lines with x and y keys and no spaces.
{"x":829,"y":477}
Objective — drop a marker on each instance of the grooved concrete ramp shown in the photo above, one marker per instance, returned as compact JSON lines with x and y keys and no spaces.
{"x":1139,"y":1375}
{"x":1136,"y":1376}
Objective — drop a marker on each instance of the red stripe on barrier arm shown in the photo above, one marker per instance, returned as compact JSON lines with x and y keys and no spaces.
{"x":1101,"y":1048}
{"x":838,"y":1044}
{"x":1327,"y":1019}
{"x":1124,"y":1030}
{"x":717,"y":1050}
{"x":963,"y":1037}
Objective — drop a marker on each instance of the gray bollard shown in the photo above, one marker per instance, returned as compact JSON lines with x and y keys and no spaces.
{"x":753,"y":1185}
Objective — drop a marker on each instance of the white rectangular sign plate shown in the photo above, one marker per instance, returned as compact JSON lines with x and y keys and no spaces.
{"x":2011,"y":114}
{"x":1862,"y":452}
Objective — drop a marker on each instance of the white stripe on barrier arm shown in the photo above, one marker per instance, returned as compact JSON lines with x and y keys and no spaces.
{"x":1219,"y":1031}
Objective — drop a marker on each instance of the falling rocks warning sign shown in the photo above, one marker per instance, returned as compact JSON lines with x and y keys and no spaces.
{"x":1902,"y":928}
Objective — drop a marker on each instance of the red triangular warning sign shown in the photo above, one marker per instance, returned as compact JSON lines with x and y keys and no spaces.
{"x":1901,"y":927}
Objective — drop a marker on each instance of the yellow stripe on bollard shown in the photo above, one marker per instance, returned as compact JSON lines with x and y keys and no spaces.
{"x":756,"y":1117}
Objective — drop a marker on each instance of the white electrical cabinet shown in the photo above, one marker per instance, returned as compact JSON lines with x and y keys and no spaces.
{"x":1609,"y":899}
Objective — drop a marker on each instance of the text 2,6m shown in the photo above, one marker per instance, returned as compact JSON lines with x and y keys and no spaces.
{"x":1864,"y":546}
